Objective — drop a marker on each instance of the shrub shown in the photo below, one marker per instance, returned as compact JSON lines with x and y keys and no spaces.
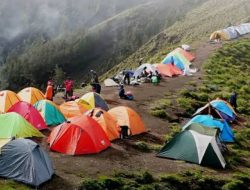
{"x":159,"y":113}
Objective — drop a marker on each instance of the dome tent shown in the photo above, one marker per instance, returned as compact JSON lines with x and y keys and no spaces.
{"x":31,"y":95}
{"x":7,"y":99}
{"x":72,"y":109}
{"x":25,"y":161}
{"x":95,"y":100}
{"x":30,"y":114}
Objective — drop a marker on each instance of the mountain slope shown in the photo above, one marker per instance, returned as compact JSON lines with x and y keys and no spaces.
{"x":198,"y":24}
{"x":100,"y":47}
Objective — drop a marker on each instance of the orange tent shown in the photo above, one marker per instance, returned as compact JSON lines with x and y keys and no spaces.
{"x":186,"y":54}
{"x":168,"y":70}
{"x":31,"y":95}
{"x":106,"y":121}
{"x":127,"y":116}
{"x":7,"y":100}
{"x":72,"y":109}
{"x":81,"y":135}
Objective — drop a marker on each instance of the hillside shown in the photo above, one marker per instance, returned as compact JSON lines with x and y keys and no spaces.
{"x":198,"y":24}
{"x":100,"y":47}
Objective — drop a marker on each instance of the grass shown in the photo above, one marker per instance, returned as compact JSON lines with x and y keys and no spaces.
{"x":12,"y":185}
{"x":195,"y":180}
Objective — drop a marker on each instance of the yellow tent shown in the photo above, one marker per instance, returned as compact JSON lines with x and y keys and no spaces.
{"x":7,"y":99}
{"x":95,"y":100}
{"x":31,"y":95}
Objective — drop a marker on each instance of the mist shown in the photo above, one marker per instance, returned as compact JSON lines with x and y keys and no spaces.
{"x":55,"y":17}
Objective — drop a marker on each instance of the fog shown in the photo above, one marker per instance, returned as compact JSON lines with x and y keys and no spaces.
{"x":55,"y":17}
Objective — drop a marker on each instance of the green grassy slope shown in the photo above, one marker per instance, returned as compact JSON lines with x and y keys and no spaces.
{"x":198,"y":24}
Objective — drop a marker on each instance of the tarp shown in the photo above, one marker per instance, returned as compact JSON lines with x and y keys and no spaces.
{"x":72,"y":109}
{"x":80,"y":135}
{"x":95,"y":100}
{"x":110,"y":83}
{"x":30,"y":114}
{"x":106,"y":121}
{"x":14,"y":125}
{"x":23,"y":160}
{"x":168,"y":70}
{"x":31,"y":95}
{"x":226,"y":133}
{"x":50,"y":113}
{"x":7,"y":99}
{"x":194,"y":147}
{"x":126,"y":116}
{"x":139,"y":70}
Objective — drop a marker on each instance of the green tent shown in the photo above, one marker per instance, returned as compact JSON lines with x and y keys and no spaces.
{"x":202,"y":129}
{"x":14,"y":125}
{"x":50,"y":113}
{"x":194,"y":147}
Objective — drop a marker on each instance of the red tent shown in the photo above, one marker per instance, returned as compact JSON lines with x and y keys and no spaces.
{"x":168,"y":70}
{"x":186,"y":54}
{"x":30,"y":114}
{"x":80,"y":135}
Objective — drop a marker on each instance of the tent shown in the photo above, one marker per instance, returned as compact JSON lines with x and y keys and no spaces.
{"x":50,"y":113}
{"x":218,"y":108}
{"x":106,"y":121}
{"x":72,"y":109}
{"x":139,"y":70}
{"x":226,"y":133}
{"x":95,"y":100}
{"x":7,"y":99}
{"x":31,"y":95}
{"x":25,"y":161}
{"x":168,"y":70}
{"x":125,"y":116}
{"x":194,"y":147}
{"x":178,"y":59}
{"x":80,"y":135}
{"x":243,"y":28}
{"x":186,"y":54}
{"x":197,"y":127}
{"x":30,"y":114}
{"x":225,"y":34}
{"x":110,"y":83}
{"x":14,"y":125}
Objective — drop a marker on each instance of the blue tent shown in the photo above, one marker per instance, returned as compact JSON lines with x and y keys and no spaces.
{"x":226,"y":133}
{"x":224,"y":108}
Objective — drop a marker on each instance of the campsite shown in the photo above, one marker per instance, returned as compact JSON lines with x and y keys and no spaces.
{"x":179,"y":130}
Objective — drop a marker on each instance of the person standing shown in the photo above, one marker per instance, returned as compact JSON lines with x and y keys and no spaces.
{"x":68,"y":87}
{"x":233,"y":100}
{"x":49,"y":91}
{"x":126,"y":77}
{"x":96,"y":87}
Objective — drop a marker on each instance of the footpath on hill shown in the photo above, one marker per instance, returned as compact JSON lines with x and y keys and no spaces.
{"x":121,"y":156}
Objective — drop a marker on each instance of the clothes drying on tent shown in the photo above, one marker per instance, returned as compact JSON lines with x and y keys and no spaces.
{"x":30,"y":114}
{"x":193,"y":147}
{"x":106,"y":121}
{"x":7,"y":99}
{"x":110,"y":83}
{"x":226,"y":133}
{"x":219,"y":109}
{"x":14,"y":125}
{"x":125,"y":116}
{"x":168,"y":70}
{"x":149,"y":68}
{"x":80,"y":135}
{"x":72,"y":109}
{"x":25,"y":161}
{"x":95,"y":100}
{"x":31,"y":95}
{"x":50,"y":113}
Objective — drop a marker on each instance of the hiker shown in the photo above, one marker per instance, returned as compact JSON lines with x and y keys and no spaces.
{"x":140,"y":61}
{"x":154,"y":80}
{"x":68,"y":87}
{"x":158,"y":75}
{"x":49,"y":91}
{"x":233,"y":100}
{"x":144,"y":72}
{"x":124,"y":132}
{"x":149,"y":76}
{"x":94,"y":77}
{"x":126,"y":77}
{"x":123,"y":95}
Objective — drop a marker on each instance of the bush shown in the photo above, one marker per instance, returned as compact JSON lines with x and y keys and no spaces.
{"x":233,"y":185}
{"x":142,"y":146}
{"x":159,"y":113}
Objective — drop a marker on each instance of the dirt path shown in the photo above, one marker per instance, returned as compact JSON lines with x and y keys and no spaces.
{"x":71,"y":169}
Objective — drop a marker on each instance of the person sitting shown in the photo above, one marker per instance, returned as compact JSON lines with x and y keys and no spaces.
{"x":154,"y":80}
{"x":123,"y":95}
{"x":144,"y":72}
{"x":150,"y":75}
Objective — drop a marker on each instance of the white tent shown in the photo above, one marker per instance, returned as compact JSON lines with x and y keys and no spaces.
{"x":243,"y":28}
{"x":231,"y":32}
{"x":110,"y":83}
{"x":139,"y":70}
